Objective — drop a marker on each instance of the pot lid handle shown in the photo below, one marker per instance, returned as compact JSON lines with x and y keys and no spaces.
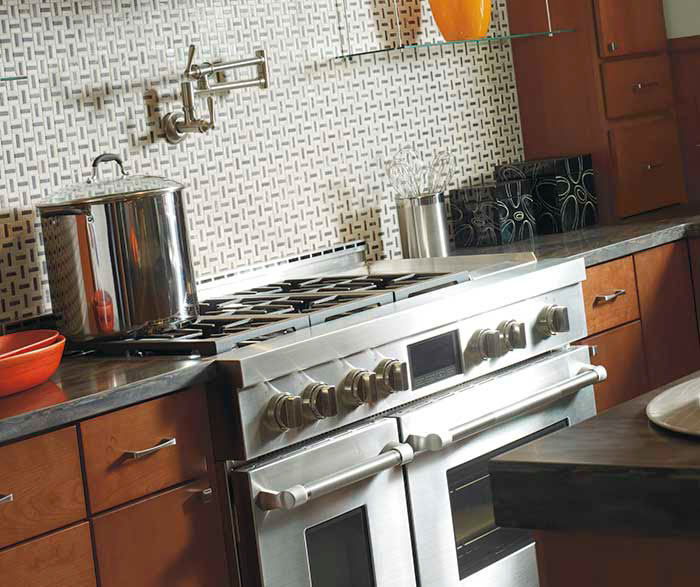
{"x":105,"y":158}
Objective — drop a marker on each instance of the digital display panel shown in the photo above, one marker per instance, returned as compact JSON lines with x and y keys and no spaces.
{"x":435,"y":359}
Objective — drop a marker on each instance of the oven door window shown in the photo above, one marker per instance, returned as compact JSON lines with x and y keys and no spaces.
{"x":340,"y":552}
{"x":478,"y":540}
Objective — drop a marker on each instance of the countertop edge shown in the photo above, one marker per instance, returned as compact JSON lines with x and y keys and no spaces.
{"x":43,"y":420}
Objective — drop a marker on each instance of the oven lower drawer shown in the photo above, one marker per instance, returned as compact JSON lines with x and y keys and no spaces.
{"x":455,"y":435}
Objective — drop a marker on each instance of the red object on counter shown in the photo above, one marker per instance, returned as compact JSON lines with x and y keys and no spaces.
{"x":23,"y":342}
{"x":104,"y":311}
{"x":26,"y":370}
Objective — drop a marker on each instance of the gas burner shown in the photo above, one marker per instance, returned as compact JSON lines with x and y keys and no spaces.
{"x":260,"y":314}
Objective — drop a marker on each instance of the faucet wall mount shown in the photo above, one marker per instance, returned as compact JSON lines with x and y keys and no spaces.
{"x":179,"y":124}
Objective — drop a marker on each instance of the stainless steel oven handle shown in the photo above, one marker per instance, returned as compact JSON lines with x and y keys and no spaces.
{"x":438,"y":441}
{"x":392,"y":456}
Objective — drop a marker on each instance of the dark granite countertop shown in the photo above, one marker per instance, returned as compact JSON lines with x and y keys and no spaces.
{"x":87,"y":386}
{"x":616,"y":472}
{"x":605,"y":243}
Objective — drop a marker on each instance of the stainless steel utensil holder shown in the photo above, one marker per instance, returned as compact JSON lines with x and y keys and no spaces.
{"x":423,"y":226}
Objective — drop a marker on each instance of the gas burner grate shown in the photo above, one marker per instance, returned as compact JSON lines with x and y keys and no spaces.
{"x":261,"y":314}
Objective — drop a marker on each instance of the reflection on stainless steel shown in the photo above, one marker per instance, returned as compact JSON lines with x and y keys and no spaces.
{"x":119,"y":264}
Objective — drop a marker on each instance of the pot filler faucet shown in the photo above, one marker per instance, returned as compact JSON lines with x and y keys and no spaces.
{"x":179,"y":124}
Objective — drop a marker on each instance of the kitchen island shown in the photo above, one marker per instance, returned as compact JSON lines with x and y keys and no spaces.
{"x":613,"y":500}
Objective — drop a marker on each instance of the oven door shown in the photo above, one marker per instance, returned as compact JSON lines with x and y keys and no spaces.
{"x":332,"y":514}
{"x":456,"y":540}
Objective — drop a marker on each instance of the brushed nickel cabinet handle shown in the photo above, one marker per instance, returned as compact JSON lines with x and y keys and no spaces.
{"x":604,"y":299}
{"x":639,"y":86}
{"x":139,"y":454}
{"x":612,"y":46}
{"x":6,"y":499}
{"x":652,"y":166}
{"x":206,"y":495}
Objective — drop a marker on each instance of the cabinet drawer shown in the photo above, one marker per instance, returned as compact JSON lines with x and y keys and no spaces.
{"x":626,"y":27}
{"x":648,"y":165}
{"x":610,"y":295}
{"x":62,"y":559}
{"x":42,"y":486}
{"x":621,"y":352}
{"x":636,"y":86}
{"x":145,"y":448}
{"x":173,"y":538}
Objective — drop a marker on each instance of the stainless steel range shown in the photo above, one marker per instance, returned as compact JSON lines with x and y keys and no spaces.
{"x":359,"y":440}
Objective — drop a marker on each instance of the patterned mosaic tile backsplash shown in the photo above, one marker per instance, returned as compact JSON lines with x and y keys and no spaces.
{"x":296,"y":167}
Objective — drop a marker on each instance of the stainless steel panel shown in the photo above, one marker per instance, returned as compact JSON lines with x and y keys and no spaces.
{"x":426,"y":476}
{"x":345,"y":337}
{"x":259,"y":439}
{"x":516,"y":570}
{"x":273,"y":546}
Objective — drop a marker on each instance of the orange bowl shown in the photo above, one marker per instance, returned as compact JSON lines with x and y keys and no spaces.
{"x":23,"y":342}
{"x":26,"y":370}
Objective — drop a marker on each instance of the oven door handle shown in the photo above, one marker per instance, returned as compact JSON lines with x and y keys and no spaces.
{"x":393,"y":455}
{"x":437,"y":441}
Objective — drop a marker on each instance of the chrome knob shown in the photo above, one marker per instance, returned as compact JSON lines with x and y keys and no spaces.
{"x":554,"y":320}
{"x":319,"y":401}
{"x":360,"y":387}
{"x":514,"y":334}
{"x":488,"y":344}
{"x":392,"y":376}
{"x":285,"y":412}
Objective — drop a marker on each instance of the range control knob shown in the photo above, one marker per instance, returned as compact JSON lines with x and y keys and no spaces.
{"x":554,"y":320}
{"x":488,"y":344}
{"x":514,"y":334}
{"x":360,"y":387}
{"x":285,"y":412}
{"x":392,"y":376}
{"x":319,"y":401}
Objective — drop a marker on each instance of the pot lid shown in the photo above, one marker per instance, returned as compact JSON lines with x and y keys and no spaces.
{"x":122,"y":188}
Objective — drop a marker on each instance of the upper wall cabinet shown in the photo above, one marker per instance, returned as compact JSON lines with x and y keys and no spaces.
{"x":626,"y":27}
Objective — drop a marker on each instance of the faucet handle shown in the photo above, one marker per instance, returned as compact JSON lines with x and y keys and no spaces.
{"x":190,"y":62}
{"x":212,"y":119}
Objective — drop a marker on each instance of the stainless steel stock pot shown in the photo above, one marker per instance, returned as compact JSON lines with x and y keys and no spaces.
{"x":118,"y":256}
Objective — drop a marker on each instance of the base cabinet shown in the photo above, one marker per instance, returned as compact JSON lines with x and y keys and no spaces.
{"x":173,"y":539}
{"x":61,"y":559}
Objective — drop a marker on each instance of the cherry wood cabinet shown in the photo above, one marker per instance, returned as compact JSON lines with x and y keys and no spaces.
{"x":578,"y":95}
{"x":621,"y":352}
{"x":172,"y":539}
{"x":667,"y":308}
{"x":626,"y":27}
{"x":41,"y":487}
{"x":163,"y":511}
{"x":685,"y":59}
{"x":61,"y":559}
{"x":138,"y":450}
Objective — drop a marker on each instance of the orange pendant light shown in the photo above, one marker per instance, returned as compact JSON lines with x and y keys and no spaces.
{"x":459,"y":20}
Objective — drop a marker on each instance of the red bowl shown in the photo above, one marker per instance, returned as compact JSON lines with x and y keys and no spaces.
{"x":23,"y":371}
{"x":23,"y":342}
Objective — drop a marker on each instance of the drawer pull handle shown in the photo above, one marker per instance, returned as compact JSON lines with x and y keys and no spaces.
{"x":612,"y":47}
{"x":652,"y":166}
{"x":6,"y":498}
{"x":610,"y":297}
{"x":639,"y":86}
{"x":139,"y":454}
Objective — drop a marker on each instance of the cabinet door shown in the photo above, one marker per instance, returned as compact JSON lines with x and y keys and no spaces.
{"x":649,"y":166}
{"x":630,"y":26}
{"x":621,"y":352}
{"x":686,"y":65}
{"x":668,"y":315}
{"x":173,"y":539}
{"x":62,"y":559}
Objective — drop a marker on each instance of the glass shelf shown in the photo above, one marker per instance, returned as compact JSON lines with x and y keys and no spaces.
{"x":467,"y":42}
{"x":16,"y":78}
